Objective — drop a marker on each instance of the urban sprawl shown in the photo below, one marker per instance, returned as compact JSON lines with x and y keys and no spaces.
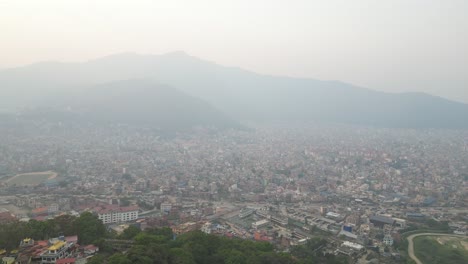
{"x":359,"y":188}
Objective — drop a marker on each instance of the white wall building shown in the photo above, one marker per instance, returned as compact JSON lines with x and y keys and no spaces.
{"x":206,"y":228}
{"x":260,"y":223}
{"x":118,"y":214}
{"x":166,"y":208}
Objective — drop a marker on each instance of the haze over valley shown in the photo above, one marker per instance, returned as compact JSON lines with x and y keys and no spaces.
{"x":233,"y":132}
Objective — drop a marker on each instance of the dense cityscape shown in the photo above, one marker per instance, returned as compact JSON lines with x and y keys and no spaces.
{"x":234,"y":132}
{"x":360,"y":189}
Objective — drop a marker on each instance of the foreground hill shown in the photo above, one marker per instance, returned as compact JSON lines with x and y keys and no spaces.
{"x":241,"y":94}
{"x":159,"y":245}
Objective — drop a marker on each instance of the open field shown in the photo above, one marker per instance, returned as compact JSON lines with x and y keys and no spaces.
{"x":33,"y":178}
{"x":441,"y":249}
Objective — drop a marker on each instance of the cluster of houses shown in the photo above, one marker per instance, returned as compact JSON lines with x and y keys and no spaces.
{"x":59,"y":250}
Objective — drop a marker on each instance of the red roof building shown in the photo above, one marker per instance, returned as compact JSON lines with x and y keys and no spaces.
{"x":41,"y":211}
{"x":6,"y":217}
{"x":66,"y":261}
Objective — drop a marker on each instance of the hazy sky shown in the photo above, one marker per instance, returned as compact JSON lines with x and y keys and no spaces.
{"x":389,"y":45}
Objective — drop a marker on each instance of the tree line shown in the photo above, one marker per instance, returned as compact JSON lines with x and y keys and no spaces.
{"x":160,"y":246}
{"x":87,"y":227}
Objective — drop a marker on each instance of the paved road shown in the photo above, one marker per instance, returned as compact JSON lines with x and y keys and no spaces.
{"x":411,"y":244}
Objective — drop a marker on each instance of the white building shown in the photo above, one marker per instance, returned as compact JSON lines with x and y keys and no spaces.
{"x":53,"y":208}
{"x":279,"y":220}
{"x":166,"y":208}
{"x":110,"y":215}
{"x":206,"y":228}
{"x":246,"y":212}
{"x":333,"y":215}
{"x":352,"y":245}
{"x":388,"y":240}
{"x":260,"y":223}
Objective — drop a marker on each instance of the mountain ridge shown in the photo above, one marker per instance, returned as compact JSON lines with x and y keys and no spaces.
{"x":162,"y":107}
{"x":243,"y":94}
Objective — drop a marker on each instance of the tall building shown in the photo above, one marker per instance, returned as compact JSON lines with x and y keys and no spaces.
{"x":388,"y":239}
{"x":323,"y":210}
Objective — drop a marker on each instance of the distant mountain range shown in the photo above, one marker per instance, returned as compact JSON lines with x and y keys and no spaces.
{"x":128,"y":88}
{"x":146,"y":102}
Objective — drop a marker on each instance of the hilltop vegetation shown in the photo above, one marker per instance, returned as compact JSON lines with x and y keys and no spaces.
{"x":161,"y":246}
{"x":88,"y":228}
{"x":158,"y":246}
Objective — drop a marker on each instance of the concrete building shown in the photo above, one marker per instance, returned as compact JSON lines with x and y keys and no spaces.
{"x":388,"y":240}
{"x":166,"y":208}
{"x":206,"y":228}
{"x":283,"y":221}
{"x":59,"y":249}
{"x":246,"y":212}
{"x":117,"y":214}
{"x":261,"y":223}
{"x":380,"y":221}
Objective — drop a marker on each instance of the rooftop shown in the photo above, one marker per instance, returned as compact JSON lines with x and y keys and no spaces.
{"x":65,"y":260}
{"x":382,"y":219}
{"x":57,"y":245}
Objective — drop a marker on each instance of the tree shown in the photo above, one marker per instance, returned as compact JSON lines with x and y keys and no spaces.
{"x":130,"y":232}
{"x":11,"y":234}
{"x":180,"y":256}
{"x":166,"y":232}
{"x":37,"y":229}
{"x":124,"y":202}
{"x":66,"y":224}
{"x":119,"y":258}
{"x":156,"y":252}
{"x":235,"y":257}
{"x":89,"y":228}
{"x":98,"y":259}
{"x":146,"y":239}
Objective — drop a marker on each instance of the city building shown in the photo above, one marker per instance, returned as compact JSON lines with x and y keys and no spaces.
{"x":116,"y":214}
{"x":166,"y":208}
{"x":206,"y":228}
{"x":59,"y":249}
{"x":380,"y":221}
{"x":259,"y":224}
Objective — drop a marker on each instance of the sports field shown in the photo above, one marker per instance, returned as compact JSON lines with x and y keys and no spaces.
{"x":33,"y":178}
{"x":441,"y":249}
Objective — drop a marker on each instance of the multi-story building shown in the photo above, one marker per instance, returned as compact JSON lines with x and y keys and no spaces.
{"x":388,"y":239}
{"x":283,"y":221}
{"x":53,"y":208}
{"x":206,"y":228}
{"x":166,"y":208}
{"x":260,"y":223}
{"x":117,"y":214}
{"x":246,"y":212}
{"x":59,"y":249}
